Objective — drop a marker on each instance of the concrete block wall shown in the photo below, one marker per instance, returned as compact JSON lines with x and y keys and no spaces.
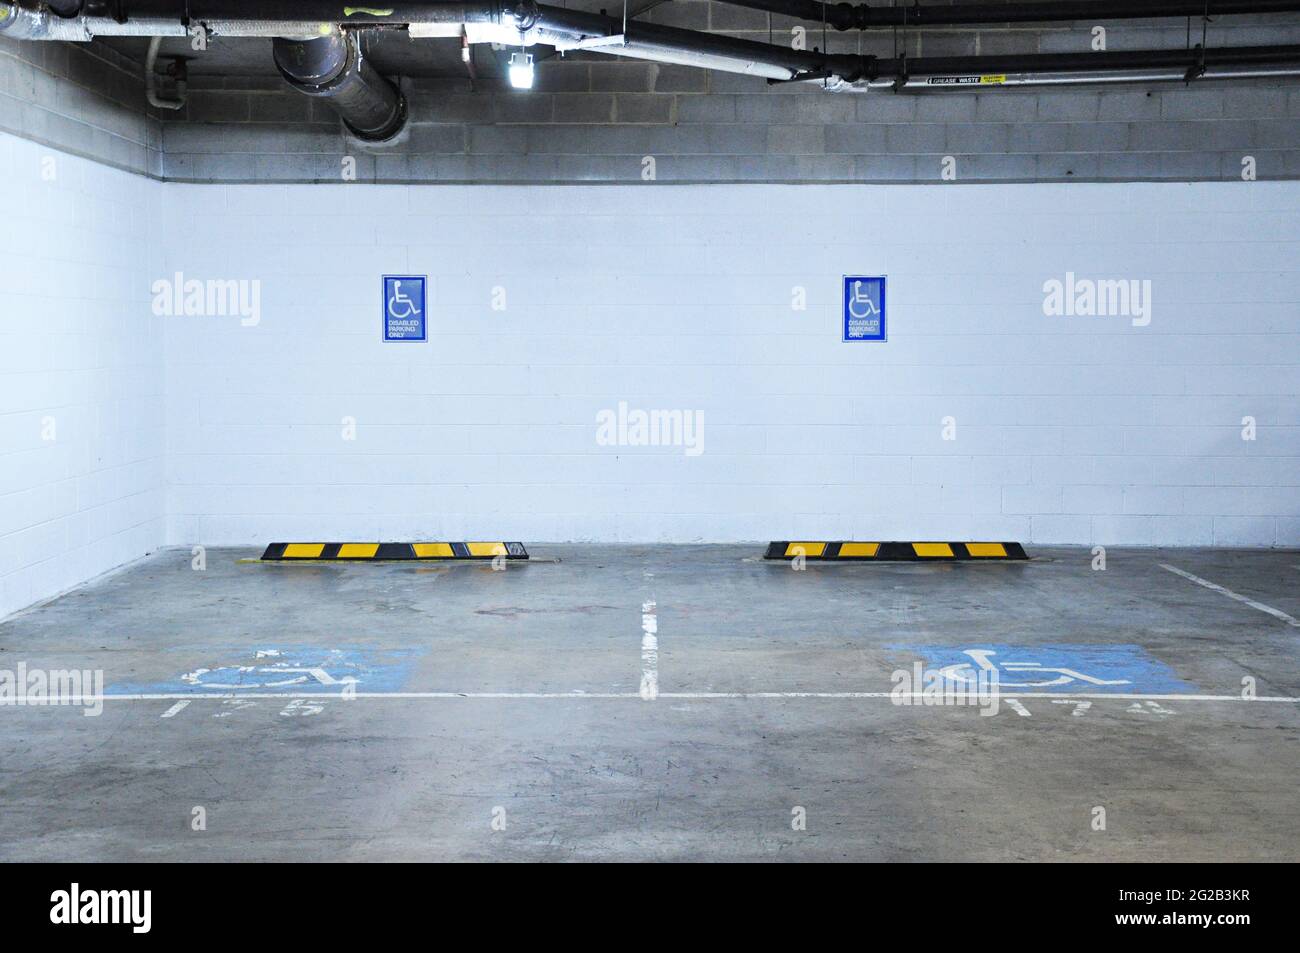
{"x":81,"y":379}
{"x":594,"y":119}
{"x":80,"y":98}
{"x":549,"y":305}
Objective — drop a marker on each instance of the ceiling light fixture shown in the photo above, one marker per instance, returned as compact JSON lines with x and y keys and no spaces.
{"x":521,"y":70}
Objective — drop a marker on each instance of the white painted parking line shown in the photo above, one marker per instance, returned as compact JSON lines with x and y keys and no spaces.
{"x":649,"y":652}
{"x":66,"y":701}
{"x":1277,"y":613}
{"x":179,"y":706}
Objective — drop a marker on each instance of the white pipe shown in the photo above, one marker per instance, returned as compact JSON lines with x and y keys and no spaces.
{"x":151,"y":79}
{"x":642,"y":50}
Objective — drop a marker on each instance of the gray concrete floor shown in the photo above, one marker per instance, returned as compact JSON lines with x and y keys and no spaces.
{"x":687,"y":775}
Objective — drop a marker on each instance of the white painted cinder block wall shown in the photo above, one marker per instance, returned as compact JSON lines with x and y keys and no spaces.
{"x":1077,"y":430}
{"x":200,"y":430}
{"x":81,"y":375}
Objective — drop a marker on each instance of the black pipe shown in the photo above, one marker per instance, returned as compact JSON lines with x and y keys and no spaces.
{"x":808,"y":64}
{"x":812,"y":65}
{"x":1102,"y":61}
{"x":331,"y":67}
{"x":65,"y":8}
{"x":862,"y":16}
{"x":873,"y":68}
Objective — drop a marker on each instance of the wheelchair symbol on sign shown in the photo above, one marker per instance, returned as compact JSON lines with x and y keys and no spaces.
{"x":860,"y":303}
{"x":964,"y":672}
{"x":408,"y":307}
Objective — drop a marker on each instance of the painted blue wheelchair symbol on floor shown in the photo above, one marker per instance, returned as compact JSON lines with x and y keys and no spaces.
{"x":1117,"y":669}
{"x":297,"y":669}
{"x":272,"y":671}
{"x":404,"y":305}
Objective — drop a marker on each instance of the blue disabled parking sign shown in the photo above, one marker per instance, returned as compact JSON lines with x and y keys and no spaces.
{"x":404,"y":303}
{"x":864,"y":308}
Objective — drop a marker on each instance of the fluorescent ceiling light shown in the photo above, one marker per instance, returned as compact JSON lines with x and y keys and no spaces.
{"x":521,"y":70}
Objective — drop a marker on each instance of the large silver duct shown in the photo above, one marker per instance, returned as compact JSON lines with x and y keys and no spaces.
{"x":332,"y":68}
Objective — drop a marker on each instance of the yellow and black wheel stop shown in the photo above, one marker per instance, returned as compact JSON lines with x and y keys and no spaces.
{"x":292,"y":552}
{"x":893,"y":552}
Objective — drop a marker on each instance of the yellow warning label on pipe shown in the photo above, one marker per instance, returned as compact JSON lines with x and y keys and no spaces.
{"x":984,"y":79}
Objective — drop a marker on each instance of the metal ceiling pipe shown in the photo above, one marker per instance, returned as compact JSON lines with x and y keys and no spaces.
{"x":151,"y":79}
{"x":1262,"y":71}
{"x":31,"y":20}
{"x":777,"y":61}
{"x":38,"y":23}
{"x":536,"y":23}
{"x":862,"y":16}
{"x":1103,"y":61}
{"x":333,"y":68}
{"x":677,"y":57}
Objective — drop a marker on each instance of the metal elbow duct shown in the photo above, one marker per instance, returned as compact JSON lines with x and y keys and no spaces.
{"x":22,"y":23}
{"x":55,"y":20}
{"x":332,"y":68}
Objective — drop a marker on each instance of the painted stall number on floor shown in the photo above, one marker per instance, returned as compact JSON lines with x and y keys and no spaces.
{"x":1150,"y":708}
{"x":1080,"y":706}
{"x":231,"y":705}
{"x":301,"y":708}
{"x":298,"y":708}
{"x":1067,"y":669}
